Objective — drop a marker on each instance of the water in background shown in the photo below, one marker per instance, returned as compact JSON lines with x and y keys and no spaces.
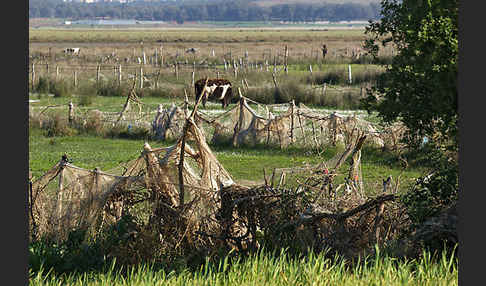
{"x":113,"y":22}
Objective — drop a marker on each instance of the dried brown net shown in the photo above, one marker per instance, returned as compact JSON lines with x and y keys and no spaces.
{"x":295,"y":126}
{"x":195,"y":204}
{"x":183,"y":198}
{"x":67,"y":198}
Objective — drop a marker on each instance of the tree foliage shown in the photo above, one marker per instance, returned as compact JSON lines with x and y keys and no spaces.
{"x":419,"y":87}
{"x":218,"y":10}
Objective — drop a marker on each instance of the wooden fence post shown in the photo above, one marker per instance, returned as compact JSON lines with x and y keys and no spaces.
{"x":193,"y":72}
{"x":57,"y":73}
{"x":349,"y":74}
{"x":161,"y":56}
{"x":71,"y":113}
{"x":292,"y":109}
{"x":33,"y":76}
{"x":141,"y":78}
{"x":155,"y":62}
{"x":98,"y":74}
{"x":119,"y":75}
{"x":75,"y":79}
{"x":286,"y":59}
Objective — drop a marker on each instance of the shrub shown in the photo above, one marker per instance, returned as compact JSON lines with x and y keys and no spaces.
{"x":263,"y":94}
{"x":163,"y":92}
{"x":57,"y":125}
{"x":86,"y":99}
{"x":74,"y":254}
{"x":43,"y":85}
{"x":331,"y":76}
{"x":432,"y":193}
{"x":93,"y":124}
{"x":112,"y":89}
{"x":60,"y":89}
{"x":129,"y":132}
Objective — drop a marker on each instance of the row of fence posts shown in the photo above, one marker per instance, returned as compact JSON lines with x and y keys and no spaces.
{"x":118,"y":72}
{"x":236,"y":65}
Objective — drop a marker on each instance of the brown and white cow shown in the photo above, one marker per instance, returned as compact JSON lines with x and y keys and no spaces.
{"x":216,"y":89}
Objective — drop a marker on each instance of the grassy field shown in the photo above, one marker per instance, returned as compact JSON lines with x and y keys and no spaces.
{"x":271,"y":269}
{"x":191,"y":35}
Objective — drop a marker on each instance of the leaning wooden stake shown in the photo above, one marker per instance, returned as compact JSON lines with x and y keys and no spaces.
{"x":238,"y":125}
{"x":379,"y":214}
{"x":292,"y":110}
{"x":71,"y":113}
{"x":126,"y":106}
{"x":286,"y":59}
{"x":183,"y":147}
{"x":119,"y":75}
{"x":33,"y":76}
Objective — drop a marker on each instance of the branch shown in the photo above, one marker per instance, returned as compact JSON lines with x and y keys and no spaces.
{"x":313,"y":218}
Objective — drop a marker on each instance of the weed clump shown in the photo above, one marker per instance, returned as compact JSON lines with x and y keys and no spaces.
{"x":60,"y":88}
{"x":111,"y":89}
{"x":43,"y":85}
{"x":57,"y":125}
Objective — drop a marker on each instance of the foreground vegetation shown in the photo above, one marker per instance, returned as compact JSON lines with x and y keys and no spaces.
{"x":273,"y":269}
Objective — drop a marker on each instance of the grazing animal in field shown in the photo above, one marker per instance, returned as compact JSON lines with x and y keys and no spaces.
{"x":191,"y":50}
{"x":72,"y":51}
{"x":216,"y":89}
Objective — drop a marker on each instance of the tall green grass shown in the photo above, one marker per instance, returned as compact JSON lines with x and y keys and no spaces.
{"x":274,"y":269}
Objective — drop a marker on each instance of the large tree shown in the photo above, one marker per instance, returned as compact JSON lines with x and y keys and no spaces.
{"x":419,"y":87}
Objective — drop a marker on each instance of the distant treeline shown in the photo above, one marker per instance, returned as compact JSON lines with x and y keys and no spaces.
{"x":239,"y":10}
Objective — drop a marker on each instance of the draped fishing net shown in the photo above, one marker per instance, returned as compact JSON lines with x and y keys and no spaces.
{"x":68,"y":197}
{"x":169,"y":122}
{"x":195,"y":202}
{"x":296,"y":125}
{"x":186,"y":197}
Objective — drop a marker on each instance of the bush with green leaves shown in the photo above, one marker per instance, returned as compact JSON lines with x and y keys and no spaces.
{"x":419,"y":87}
{"x":60,"y":88}
{"x":43,"y":85}
{"x":73,"y":254}
{"x":434,"y":192}
{"x":112,"y":89}
{"x":58,"y":125}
